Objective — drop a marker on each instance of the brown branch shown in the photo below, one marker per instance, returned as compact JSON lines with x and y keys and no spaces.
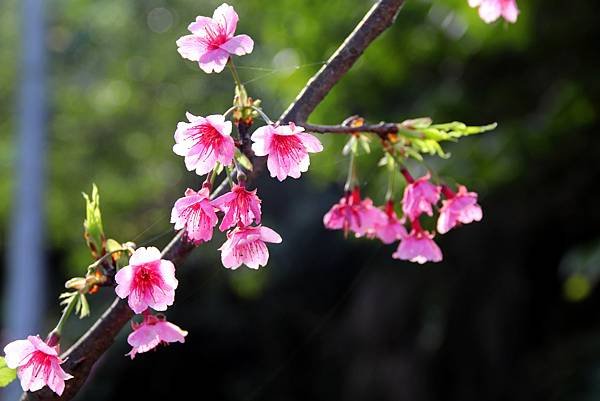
{"x":91,"y":346}
{"x":382,"y":129}
{"x":380,"y":17}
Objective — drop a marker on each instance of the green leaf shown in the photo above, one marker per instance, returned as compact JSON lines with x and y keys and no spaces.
{"x":93,"y":230}
{"x":7,"y":375}
{"x":364,"y":143}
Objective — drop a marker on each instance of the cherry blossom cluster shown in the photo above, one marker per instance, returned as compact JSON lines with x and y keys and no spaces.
{"x":420,"y":198}
{"x":210,"y":147}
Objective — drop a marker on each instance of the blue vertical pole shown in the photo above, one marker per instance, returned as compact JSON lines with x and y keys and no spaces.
{"x":25,"y":281}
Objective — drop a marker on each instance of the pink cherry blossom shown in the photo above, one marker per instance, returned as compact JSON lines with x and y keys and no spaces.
{"x":195,"y":214}
{"x":212,"y":41}
{"x":418,"y":247}
{"x":148,"y":281}
{"x":246,"y":245}
{"x":153,"y":330}
{"x":390,"y":229}
{"x":419,"y":196}
{"x":204,"y":142}
{"x":287,"y":147}
{"x":353,"y":214}
{"x":461,"y":207}
{"x":491,"y":10}
{"x":240,"y":206}
{"x":37,"y":364}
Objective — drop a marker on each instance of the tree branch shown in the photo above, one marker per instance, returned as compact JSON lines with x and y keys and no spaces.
{"x":380,"y":17}
{"x":91,"y":346}
{"x":381,"y":129}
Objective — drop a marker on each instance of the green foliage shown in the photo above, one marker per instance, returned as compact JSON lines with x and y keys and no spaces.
{"x":75,"y":299}
{"x":420,"y":137}
{"x":7,"y":375}
{"x":93,"y":230}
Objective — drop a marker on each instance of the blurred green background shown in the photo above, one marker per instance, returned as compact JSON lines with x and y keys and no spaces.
{"x":328,"y":318}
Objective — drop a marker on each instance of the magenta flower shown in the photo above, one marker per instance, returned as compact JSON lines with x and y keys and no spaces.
{"x":204,"y":142}
{"x":390,"y":229}
{"x":240,"y":206}
{"x":419,"y":196}
{"x":153,"y":330}
{"x":148,"y":281}
{"x":37,"y":364}
{"x":461,"y":207}
{"x":212,"y":40}
{"x":287,"y":147}
{"x":491,"y":10}
{"x":418,"y":247}
{"x":246,"y":245}
{"x":195,"y":214}
{"x":353,"y":214}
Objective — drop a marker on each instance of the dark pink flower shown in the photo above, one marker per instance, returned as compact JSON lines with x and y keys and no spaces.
{"x":246,"y":245}
{"x":353,"y":214}
{"x":287,"y":147}
{"x":153,"y":330}
{"x":419,"y":196}
{"x":204,"y":142}
{"x":37,"y":364}
{"x":491,"y":10}
{"x":418,"y":246}
{"x":240,"y":206}
{"x":390,"y":229}
{"x":461,"y":207}
{"x":213,"y":41}
{"x":195,"y":214}
{"x":148,"y":281}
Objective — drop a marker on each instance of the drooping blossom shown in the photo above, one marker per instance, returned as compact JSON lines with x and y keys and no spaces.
{"x":37,"y":364}
{"x":246,"y":245}
{"x":418,"y":246}
{"x":419,"y":196}
{"x":491,"y":10}
{"x":204,"y":142}
{"x":353,"y":214}
{"x":287,"y":148}
{"x":212,"y":41}
{"x":153,"y":330}
{"x":240,"y":206}
{"x":148,"y":281}
{"x":195,"y":214}
{"x":391,"y":228}
{"x":460,"y":207}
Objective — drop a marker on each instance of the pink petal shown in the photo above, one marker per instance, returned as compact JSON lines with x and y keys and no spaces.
{"x":239,"y":45}
{"x":198,"y":27}
{"x":143,"y":256}
{"x":190,"y":47}
{"x":17,"y":351}
{"x":490,"y":10}
{"x":226,"y":17}
{"x":510,"y":12}
{"x":124,"y":278}
{"x":311,"y":143}
{"x":169,"y":332}
{"x":213,"y":60}
{"x":269,"y":235}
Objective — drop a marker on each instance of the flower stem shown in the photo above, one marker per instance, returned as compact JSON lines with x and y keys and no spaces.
{"x":234,"y":72}
{"x":390,"y":187}
{"x":351,"y":174}
{"x":65,"y":315}
{"x":229,"y":174}
{"x":262,"y":115}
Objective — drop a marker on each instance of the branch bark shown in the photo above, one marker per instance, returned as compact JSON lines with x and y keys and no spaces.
{"x":91,"y":346}
{"x":381,"y":129}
